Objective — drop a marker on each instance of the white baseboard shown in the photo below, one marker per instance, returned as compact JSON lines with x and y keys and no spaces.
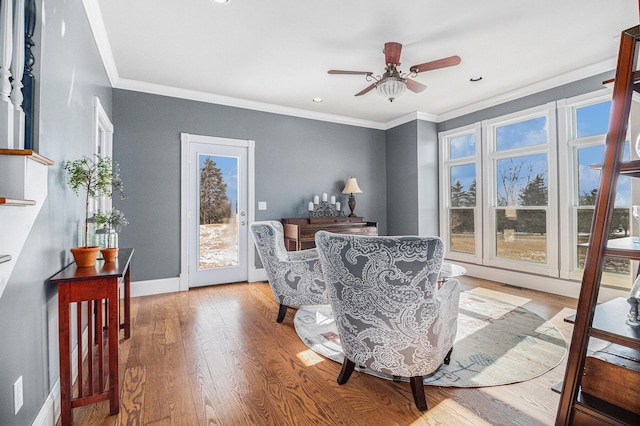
{"x":537,"y":282}
{"x":149,"y":287}
{"x":50,"y":411}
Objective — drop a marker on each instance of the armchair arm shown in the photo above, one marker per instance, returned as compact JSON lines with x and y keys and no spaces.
{"x":449,"y":300}
{"x":309,"y":254}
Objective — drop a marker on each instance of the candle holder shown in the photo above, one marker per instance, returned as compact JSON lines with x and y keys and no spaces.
{"x":325,"y":208}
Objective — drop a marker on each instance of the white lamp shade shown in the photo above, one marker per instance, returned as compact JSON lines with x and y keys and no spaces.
{"x":391,"y":87}
{"x":352,"y":187}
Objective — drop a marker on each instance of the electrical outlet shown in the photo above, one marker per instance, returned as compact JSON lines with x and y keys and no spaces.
{"x":17,"y":395}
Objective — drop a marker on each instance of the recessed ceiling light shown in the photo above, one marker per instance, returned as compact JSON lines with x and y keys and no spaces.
{"x":474,"y":79}
{"x":221,"y":1}
{"x":318,"y":100}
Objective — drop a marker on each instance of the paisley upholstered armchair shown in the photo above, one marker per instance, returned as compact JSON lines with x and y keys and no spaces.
{"x":295,"y":277}
{"x":390,"y":314}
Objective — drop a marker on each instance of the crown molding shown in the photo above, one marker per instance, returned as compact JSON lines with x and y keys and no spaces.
{"x":416,"y":115}
{"x":94,"y":15}
{"x":157,"y":89}
{"x":570,"y":77}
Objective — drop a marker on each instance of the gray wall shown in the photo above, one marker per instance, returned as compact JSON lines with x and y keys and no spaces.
{"x":295,"y":159}
{"x":575,"y":88}
{"x":402,"y":179}
{"x":28,"y":308}
{"x":428,"y":179}
{"x":412,"y":179}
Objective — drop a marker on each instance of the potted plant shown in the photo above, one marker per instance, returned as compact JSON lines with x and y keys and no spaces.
{"x":112,"y":223}
{"x":93,"y":178}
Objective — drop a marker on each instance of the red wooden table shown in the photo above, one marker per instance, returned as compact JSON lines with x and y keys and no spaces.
{"x":92,"y":288}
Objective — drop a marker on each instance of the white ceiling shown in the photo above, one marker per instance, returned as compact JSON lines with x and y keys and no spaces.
{"x":274,"y":54}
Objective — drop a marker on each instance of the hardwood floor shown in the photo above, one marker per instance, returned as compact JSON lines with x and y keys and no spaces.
{"x":216,"y":356}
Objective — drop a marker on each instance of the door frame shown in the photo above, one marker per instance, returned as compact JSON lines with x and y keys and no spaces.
{"x":185,"y":201}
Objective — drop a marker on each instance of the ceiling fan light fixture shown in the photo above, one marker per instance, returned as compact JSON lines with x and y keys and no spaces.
{"x":391,"y":87}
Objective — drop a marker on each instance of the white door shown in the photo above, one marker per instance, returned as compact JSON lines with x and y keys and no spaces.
{"x":218,"y":220}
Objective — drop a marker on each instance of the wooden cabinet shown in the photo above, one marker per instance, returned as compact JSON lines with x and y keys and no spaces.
{"x":300,"y":232}
{"x":605,"y":321}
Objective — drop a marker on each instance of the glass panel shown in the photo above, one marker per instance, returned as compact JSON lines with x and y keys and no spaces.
{"x":620,"y":228}
{"x":463,"y":185}
{"x":462,"y":146}
{"x":521,"y":134}
{"x":462,"y":231}
{"x":218,"y":211}
{"x":588,"y":178}
{"x":522,"y":181}
{"x":593,"y":119}
{"x":522,"y":235}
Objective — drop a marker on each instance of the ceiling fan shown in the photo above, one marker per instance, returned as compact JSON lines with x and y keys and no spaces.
{"x":393,"y":82}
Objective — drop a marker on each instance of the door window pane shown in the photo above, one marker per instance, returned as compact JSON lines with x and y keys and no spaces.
{"x":218,"y":211}
{"x":523,"y":133}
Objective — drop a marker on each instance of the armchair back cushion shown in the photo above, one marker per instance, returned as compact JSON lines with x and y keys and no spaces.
{"x":389,"y":312}
{"x":295,"y":277}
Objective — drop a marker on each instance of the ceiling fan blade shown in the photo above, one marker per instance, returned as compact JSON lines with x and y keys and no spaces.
{"x":350,"y":72}
{"x":434,"y":65}
{"x":414,"y":86}
{"x":365,"y":90}
{"x":392,"y":52}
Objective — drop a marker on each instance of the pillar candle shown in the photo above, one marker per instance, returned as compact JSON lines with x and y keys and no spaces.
{"x":316,"y":200}
{"x":310,"y":206}
{"x":324,"y":197}
{"x":338,"y":206}
{"x":333,"y":199}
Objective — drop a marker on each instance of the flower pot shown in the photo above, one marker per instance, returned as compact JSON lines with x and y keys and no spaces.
{"x":109,"y":254}
{"x":85,"y":256}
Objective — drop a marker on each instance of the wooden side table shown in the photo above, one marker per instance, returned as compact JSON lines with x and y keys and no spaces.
{"x":91,"y":288}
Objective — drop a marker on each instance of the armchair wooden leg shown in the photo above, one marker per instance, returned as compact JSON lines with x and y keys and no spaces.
{"x":281,"y":313}
{"x":447,"y":359}
{"x":417,"y":388}
{"x":345,"y":372}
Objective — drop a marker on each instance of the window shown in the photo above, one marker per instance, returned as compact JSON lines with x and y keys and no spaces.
{"x":521,"y":199}
{"x":103,"y":146}
{"x":526,"y":201}
{"x":461,"y":193}
{"x":585,"y":125}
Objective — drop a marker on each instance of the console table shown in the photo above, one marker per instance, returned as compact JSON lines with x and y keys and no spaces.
{"x":91,"y":288}
{"x":300,"y":232}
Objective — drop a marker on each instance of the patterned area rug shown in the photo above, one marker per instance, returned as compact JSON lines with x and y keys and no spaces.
{"x":497,"y":342}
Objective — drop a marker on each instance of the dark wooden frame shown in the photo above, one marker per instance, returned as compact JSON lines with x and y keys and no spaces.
{"x":98,"y":286}
{"x":573,"y":408}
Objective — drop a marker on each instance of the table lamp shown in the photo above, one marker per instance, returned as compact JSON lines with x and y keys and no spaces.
{"x":351,"y":188}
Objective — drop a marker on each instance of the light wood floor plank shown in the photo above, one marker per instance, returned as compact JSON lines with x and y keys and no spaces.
{"x":216,"y":356}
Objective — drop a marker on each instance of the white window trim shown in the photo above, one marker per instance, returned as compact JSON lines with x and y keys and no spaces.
{"x":491,"y":155}
{"x":569,"y":143}
{"x":103,"y":146}
{"x":444,"y":197}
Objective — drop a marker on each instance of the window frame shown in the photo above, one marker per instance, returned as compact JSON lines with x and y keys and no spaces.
{"x":491,"y":156}
{"x":445,"y":165}
{"x":569,"y":194}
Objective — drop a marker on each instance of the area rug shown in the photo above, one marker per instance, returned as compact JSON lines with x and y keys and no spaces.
{"x":497,"y":342}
